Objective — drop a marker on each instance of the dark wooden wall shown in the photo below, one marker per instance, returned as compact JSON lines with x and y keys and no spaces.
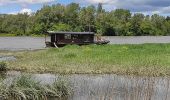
{"x":74,"y":39}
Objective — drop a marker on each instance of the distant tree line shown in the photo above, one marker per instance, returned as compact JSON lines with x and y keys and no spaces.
{"x":72,"y":17}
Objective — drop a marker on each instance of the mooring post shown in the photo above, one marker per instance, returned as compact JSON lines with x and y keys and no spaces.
{"x":45,"y":38}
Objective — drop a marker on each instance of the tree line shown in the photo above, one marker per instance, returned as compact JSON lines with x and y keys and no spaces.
{"x":72,"y":17}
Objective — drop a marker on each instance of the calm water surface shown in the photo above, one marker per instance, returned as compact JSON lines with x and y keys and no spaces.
{"x":109,"y":87}
{"x":33,"y":43}
{"x":21,"y":43}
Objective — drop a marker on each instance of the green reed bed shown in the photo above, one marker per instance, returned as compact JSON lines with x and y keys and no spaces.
{"x":25,"y":87}
{"x":144,"y":59}
{"x":3,"y":66}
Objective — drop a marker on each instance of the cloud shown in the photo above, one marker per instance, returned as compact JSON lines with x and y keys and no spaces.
{"x":3,"y":2}
{"x":101,"y":1}
{"x":95,"y":1}
{"x":25,"y":10}
{"x":143,"y":6}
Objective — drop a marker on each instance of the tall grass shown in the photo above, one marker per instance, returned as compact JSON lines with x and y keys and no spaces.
{"x":26,"y":88}
{"x":3,"y":66}
{"x":144,"y":59}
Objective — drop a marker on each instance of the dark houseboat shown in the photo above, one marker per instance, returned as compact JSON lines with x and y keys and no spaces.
{"x":79,"y":38}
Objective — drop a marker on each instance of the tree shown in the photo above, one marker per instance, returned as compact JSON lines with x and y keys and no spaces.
{"x":168,"y":18}
{"x":72,"y":17}
{"x":87,"y":18}
{"x":61,"y":27}
{"x":99,"y":8}
{"x":122,"y":15}
{"x":136,"y":23}
{"x":146,"y":27}
{"x":71,"y":14}
{"x":158,"y":24}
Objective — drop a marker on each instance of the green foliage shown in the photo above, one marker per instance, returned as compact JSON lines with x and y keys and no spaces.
{"x":61,"y":27}
{"x":72,"y":17}
{"x":3,"y":66}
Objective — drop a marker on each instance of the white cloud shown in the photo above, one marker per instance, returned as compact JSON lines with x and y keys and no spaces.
{"x":25,"y":10}
{"x":101,"y":1}
{"x":96,"y":1}
{"x":165,"y":10}
{"x":3,"y":2}
{"x":141,"y":6}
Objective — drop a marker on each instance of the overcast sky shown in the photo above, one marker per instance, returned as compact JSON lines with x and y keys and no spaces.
{"x":144,"y":6}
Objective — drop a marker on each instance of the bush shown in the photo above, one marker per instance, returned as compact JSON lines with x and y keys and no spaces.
{"x":3,"y":66}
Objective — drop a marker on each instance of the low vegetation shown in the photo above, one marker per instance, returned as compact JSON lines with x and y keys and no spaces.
{"x":25,"y":87}
{"x":144,"y":59}
{"x":3,"y":66}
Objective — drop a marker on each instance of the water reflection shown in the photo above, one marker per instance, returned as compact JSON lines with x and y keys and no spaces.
{"x":110,"y":87}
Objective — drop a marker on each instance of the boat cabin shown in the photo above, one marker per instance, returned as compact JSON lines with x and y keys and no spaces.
{"x":64,"y":38}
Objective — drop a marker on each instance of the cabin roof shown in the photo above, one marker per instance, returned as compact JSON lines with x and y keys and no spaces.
{"x":55,"y":32}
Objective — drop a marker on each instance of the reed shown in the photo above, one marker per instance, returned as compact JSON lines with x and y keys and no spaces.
{"x":3,"y":66}
{"x":25,"y":87}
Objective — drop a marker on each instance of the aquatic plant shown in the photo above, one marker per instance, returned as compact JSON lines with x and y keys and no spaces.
{"x":25,"y":87}
{"x":3,"y":66}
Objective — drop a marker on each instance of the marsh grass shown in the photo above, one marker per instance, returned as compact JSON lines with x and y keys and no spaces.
{"x":143,"y":59}
{"x":25,"y":87}
{"x":3,"y":66}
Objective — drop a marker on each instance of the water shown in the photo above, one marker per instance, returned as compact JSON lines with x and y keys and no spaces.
{"x":137,"y":39}
{"x":21,"y":43}
{"x":110,"y":87}
{"x":7,"y":58}
{"x":34,"y":43}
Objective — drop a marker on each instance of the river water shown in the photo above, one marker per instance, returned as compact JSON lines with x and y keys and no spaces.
{"x":98,"y":87}
{"x":33,"y":43}
{"x":109,"y":87}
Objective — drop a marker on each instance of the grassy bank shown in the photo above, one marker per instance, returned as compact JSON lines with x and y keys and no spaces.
{"x":145,"y":59}
{"x":15,"y":35}
{"x":7,"y":35}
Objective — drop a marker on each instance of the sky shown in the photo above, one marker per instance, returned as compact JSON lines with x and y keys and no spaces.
{"x":147,"y":7}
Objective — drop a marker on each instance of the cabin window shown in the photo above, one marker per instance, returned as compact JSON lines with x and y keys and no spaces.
{"x":67,"y":36}
{"x":74,"y":36}
{"x":86,"y":38}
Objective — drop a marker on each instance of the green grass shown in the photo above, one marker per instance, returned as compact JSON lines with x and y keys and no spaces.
{"x":15,"y":35}
{"x":144,"y":59}
{"x":7,"y":35}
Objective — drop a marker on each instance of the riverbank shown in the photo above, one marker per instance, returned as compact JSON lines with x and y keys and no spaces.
{"x":143,"y":59}
{"x":15,"y":35}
